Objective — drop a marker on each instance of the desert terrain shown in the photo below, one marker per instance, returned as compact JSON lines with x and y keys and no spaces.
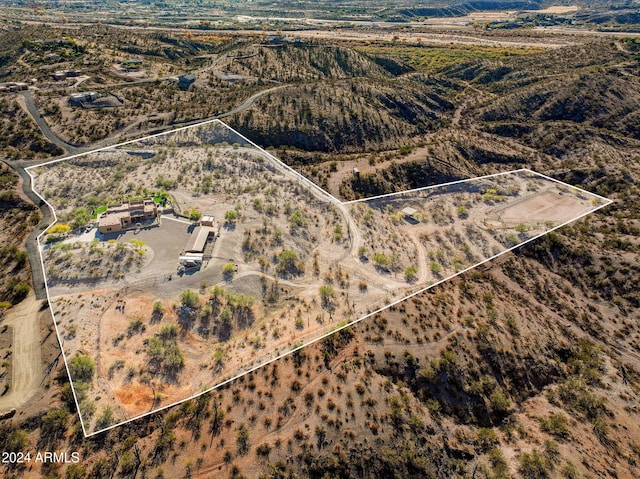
{"x":524,"y":367}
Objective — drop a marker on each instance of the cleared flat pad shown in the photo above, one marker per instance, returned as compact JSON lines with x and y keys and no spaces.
{"x":289,"y":264}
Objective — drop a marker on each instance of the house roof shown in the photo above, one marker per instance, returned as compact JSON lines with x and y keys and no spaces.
{"x":190,"y":77}
{"x":198,"y":239}
{"x":409,"y":211}
{"x":113,"y":219}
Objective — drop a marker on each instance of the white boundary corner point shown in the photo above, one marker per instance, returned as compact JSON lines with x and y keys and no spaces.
{"x":330,"y":198}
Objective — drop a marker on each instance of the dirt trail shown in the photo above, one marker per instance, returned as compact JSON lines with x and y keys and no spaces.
{"x":27,"y":371}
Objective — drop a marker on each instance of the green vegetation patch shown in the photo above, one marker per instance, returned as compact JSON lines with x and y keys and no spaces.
{"x":432,"y":58}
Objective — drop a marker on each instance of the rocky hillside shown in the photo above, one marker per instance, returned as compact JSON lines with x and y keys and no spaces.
{"x":348,"y":116}
{"x":526,"y":367}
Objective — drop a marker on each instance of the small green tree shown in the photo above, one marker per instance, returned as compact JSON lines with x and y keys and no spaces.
{"x":231,"y":216}
{"x":219,"y":356}
{"x":189,"y":298}
{"x":20,"y":291}
{"x":288,"y":263}
{"x":158,"y":311}
{"x":228,"y":270}
{"x":168,"y":332}
{"x":327,"y":295}
{"x":555,"y":424}
{"x":82,"y":368}
{"x":54,"y":424}
{"x":173,"y":358}
{"x":327,"y":292}
{"x":80,"y":217}
{"x":410,"y":274}
{"x":226,"y":315}
{"x":486,"y":439}
{"x":569,"y":471}
{"x":381,"y":260}
{"x":195,"y":215}
{"x":76,"y":471}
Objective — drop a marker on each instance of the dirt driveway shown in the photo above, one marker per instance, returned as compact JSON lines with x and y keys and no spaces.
{"x":27,"y":370}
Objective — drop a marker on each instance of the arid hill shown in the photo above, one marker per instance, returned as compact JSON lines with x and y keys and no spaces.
{"x":526,"y":367}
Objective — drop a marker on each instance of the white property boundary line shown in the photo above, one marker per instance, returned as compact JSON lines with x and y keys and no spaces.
{"x":324,"y":193}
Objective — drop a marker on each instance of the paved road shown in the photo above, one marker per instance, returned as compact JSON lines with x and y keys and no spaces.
{"x":248,"y":103}
{"x":47,"y":214}
{"x":37,"y":274}
{"x":37,"y":117}
{"x":27,"y":353}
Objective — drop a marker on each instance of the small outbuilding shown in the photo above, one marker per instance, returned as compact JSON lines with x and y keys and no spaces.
{"x":410,"y":214}
{"x":198,"y":239}
{"x":207,"y":220}
{"x":185,"y":81}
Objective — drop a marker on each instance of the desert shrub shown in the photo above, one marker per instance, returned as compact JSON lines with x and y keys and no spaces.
{"x":59,"y":229}
{"x":435,"y":267}
{"x":20,"y":291}
{"x":106,"y":418}
{"x":486,"y":438}
{"x":158,"y":311}
{"x":76,"y":471}
{"x":288,"y":263}
{"x":242,"y":439}
{"x":327,"y":292}
{"x":499,"y":401}
{"x":228,"y":269}
{"x":381,"y":260}
{"x":54,"y":424}
{"x":189,"y":298}
{"x":534,"y":466}
{"x":16,"y":441}
{"x":297,"y":220}
{"x":231,"y":216}
{"x":410,"y":274}
{"x":555,"y":424}
{"x":82,"y":368}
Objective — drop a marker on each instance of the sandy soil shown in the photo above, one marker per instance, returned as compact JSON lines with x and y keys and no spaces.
{"x":439,"y":38}
{"x":455,"y":227}
{"x":548,"y":206}
{"x":559,"y":9}
{"x":27,"y":354}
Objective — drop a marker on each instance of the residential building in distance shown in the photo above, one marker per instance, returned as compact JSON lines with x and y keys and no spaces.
{"x":80,"y":98}
{"x":12,"y":87}
{"x":185,"y":81}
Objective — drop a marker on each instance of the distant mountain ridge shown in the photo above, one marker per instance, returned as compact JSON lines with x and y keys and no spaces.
{"x":465,"y":8}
